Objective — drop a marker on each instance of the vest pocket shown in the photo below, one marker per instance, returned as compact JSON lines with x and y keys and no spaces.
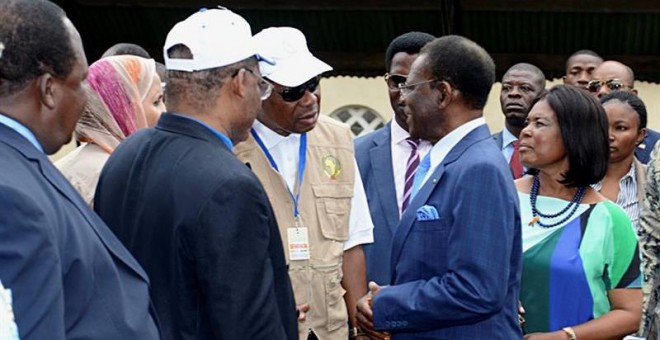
{"x":333,"y":204}
{"x":334,"y":293}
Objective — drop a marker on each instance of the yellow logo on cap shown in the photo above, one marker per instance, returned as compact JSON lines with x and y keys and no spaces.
{"x":331,"y":167}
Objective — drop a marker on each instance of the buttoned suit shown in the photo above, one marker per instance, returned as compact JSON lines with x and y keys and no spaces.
{"x":373,"y":153}
{"x":70,"y":277}
{"x":457,"y":276}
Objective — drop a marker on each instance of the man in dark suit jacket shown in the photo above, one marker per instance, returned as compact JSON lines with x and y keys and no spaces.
{"x":195,"y":217}
{"x":70,"y":277}
{"x":456,"y":255}
{"x":383,"y":178}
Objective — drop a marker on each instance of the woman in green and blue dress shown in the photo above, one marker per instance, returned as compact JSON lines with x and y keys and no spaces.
{"x":581,"y":269}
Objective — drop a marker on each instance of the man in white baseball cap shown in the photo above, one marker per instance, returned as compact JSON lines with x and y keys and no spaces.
{"x":196,"y":217}
{"x":306,"y":163}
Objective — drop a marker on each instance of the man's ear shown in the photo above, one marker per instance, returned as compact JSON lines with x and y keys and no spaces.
{"x":563,"y":79}
{"x":634,"y":91}
{"x":238,"y":83}
{"x":47,"y":90}
{"x":446,"y":94}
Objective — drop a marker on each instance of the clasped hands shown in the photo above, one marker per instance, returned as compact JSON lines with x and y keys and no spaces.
{"x":365,"y":316}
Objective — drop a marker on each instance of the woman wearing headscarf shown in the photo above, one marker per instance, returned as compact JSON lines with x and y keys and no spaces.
{"x":125,"y":95}
{"x":581,"y":270}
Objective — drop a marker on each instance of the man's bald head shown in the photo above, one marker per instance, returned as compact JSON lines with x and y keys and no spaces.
{"x":611,"y":76}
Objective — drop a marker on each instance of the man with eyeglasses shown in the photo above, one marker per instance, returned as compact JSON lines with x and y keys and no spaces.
{"x":306,"y":163}
{"x":194,"y":216}
{"x":388,"y":158}
{"x":456,"y":254}
{"x":612,"y":76}
{"x":521,"y":85}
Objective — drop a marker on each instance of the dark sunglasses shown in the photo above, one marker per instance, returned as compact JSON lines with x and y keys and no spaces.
{"x":293,"y":94}
{"x":394,"y":80}
{"x":612,"y":84}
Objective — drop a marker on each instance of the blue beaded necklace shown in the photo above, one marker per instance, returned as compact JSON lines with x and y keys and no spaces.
{"x":571,"y":208}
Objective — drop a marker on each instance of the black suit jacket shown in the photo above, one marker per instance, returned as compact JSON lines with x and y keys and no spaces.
{"x":200,"y":223}
{"x":70,"y":277}
{"x":643,"y":151}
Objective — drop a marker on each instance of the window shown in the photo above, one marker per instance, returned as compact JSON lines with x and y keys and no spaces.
{"x":359,"y":118}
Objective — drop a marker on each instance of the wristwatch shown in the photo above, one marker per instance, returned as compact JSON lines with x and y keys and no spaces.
{"x":570,"y":332}
{"x":354,"y":333}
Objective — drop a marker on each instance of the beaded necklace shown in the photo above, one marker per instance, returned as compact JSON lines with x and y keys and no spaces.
{"x":571,"y":208}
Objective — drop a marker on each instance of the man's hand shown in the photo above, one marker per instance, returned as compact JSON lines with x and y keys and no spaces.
{"x":365,"y":316}
{"x":302,"y":310}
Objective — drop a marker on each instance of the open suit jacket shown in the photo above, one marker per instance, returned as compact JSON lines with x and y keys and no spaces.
{"x":200,"y":223}
{"x":457,"y":275}
{"x":373,"y":153}
{"x":70,"y":277}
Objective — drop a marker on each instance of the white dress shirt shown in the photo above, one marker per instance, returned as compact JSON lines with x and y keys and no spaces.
{"x":400,"y":154}
{"x":284,"y":150}
{"x":442,"y":148}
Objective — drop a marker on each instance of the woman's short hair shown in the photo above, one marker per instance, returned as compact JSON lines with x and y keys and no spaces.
{"x":632,"y":100}
{"x":584,"y":132}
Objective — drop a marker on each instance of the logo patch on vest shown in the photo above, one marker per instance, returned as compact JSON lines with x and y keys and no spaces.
{"x":331,"y":167}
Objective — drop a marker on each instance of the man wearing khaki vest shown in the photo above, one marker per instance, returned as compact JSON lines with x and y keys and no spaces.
{"x":306,"y":164}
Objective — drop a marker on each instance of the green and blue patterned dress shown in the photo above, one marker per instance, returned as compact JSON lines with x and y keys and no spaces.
{"x":568,"y":269}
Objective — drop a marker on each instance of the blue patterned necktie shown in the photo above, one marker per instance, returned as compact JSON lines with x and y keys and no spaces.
{"x":422,"y":170}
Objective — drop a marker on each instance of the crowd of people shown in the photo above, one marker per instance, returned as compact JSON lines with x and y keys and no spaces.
{"x":210,"y":199}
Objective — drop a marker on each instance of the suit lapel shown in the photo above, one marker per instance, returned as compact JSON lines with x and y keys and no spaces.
{"x":58,"y":181}
{"x":410,"y":215}
{"x":381,"y":165}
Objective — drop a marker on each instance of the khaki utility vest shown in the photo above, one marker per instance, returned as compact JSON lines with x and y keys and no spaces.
{"x":325,"y":202}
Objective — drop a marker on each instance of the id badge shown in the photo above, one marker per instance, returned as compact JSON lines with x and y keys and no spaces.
{"x":298,"y":243}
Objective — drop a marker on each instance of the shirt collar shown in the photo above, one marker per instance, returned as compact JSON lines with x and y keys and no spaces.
{"x":399,"y":134}
{"x":507,"y":138}
{"x":269,"y":137}
{"x":217,"y":133}
{"x":21,"y":130}
{"x":442,"y":148}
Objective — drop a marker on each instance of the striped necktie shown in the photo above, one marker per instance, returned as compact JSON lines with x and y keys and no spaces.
{"x":515,"y":164}
{"x":411,"y":169}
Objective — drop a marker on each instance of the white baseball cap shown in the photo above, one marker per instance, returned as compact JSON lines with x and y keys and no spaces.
{"x":287,"y":47}
{"x":215,"y":37}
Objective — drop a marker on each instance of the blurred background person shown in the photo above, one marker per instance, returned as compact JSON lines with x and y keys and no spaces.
{"x":125,"y":95}
{"x":126,"y":49}
{"x":580,"y":257}
{"x":625,"y":179}
{"x":580,"y":66}
{"x":649,"y":243}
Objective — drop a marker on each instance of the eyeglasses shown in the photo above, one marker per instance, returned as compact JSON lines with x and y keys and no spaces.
{"x":394,"y":80}
{"x":265,"y":88}
{"x":407,"y":88}
{"x":294,"y":94}
{"x":612,"y":84}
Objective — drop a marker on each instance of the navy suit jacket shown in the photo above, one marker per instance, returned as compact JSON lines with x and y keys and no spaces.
{"x":458,"y":276}
{"x":643,"y":152}
{"x":70,"y":277}
{"x":200,"y":223}
{"x":373,"y":153}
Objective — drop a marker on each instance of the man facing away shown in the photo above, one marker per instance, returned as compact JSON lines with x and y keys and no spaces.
{"x":456,"y":255}
{"x":194,"y":216}
{"x":521,"y":85}
{"x":69,"y":275}
{"x":388,"y":158}
{"x":306,"y":163}
{"x":612,"y":76}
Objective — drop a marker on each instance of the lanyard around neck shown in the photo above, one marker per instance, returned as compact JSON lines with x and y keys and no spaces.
{"x":302,"y":153}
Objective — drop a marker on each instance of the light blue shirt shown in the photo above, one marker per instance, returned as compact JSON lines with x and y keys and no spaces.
{"x":21,"y":130}
{"x":217,"y":133}
{"x":507,"y":144}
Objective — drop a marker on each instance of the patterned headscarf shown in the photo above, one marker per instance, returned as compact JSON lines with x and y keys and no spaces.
{"x":117,"y":87}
